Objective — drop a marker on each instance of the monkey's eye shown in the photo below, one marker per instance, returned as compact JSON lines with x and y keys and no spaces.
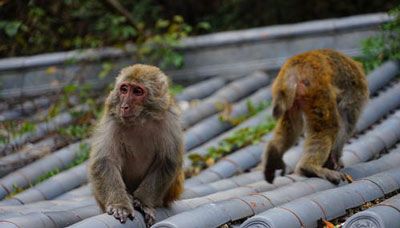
{"x":123,"y":89}
{"x":138,"y":91}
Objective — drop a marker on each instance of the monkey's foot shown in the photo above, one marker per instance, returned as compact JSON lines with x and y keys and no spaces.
{"x":148,"y":212}
{"x":149,"y":216}
{"x":137,"y":204}
{"x":120,"y":213}
{"x":331,"y":175}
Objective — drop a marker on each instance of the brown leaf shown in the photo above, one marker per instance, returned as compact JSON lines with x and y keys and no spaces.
{"x":85,"y":118}
{"x":349,"y":178}
{"x":54,"y":83}
{"x":328,"y":224}
{"x":194,"y":102}
{"x":226,"y":108}
{"x":51,"y":70}
{"x":210,"y":162}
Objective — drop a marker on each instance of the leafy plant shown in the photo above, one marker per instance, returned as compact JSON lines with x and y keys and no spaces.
{"x":107,"y":67}
{"x":90,"y":24}
{"x":13,"y":129}
{"x":34,"y":26}
{"x":11,"y":27}
{"x":161,"y":47}
{"x":83,"y":119}
{"x":241,"y":138}
{"x":121,"y":30}
{"x":385,"y":46}
{"x":14,"y":191}
{"x":175,"y":89}
{"x":81,"y":156}
{"x":76,"y":131}
{"x":47,"y":176}
{"x":84,"y":92}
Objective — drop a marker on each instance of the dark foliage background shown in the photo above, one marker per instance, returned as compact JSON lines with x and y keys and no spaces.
{"x":37,"y":26}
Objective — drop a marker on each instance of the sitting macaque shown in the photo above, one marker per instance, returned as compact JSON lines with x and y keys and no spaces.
{"x":137,"y":148}
{"x":323,"y":93}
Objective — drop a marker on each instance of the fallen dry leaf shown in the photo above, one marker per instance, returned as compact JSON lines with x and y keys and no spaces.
{"x":51,"y":70}
{"x":349,"y":178}
{"x":210,"y":162}
{"x":226,"y":109}
{"x":54,"y":83}
{"x":328,"y":224}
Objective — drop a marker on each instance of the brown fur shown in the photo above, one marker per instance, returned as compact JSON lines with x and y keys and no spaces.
{"x":137,"y":162}
{"x":175,"y":190}
{"x":321,"y":92}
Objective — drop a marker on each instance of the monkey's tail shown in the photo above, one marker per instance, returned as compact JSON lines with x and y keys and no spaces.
{"x":285,"y":97}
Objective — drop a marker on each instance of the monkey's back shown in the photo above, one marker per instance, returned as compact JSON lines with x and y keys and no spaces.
{"x":312,"y":73}
{"x":348,"y":75}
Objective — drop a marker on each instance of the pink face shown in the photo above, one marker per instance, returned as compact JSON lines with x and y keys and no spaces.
{"x":131,"y":95}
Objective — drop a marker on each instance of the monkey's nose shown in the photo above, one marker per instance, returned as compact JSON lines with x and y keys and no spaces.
{"x":125,"y":107}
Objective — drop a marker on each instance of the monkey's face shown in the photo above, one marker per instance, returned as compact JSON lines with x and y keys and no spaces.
{"x":141,"y":93}
{"x":131,"y":97}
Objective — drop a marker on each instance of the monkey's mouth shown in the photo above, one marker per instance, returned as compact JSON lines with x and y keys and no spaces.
{"x":131,"y":115}
{"x":127,"y":116}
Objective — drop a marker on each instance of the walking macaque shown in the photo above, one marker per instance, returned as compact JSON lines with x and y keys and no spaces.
{"x":322,"y":91}
{"x":137,"y":148}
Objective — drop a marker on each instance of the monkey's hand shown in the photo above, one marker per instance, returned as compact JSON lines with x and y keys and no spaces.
{"x":120,"y":212}
{"x":148,"y":212}
{"x":273,"y":162}
{"x":270,"y":169}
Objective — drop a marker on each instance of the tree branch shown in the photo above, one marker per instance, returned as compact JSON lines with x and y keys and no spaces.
{"x":117,"y":6}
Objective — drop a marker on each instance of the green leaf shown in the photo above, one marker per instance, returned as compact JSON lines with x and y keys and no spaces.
{"x":204,"y":25}
{"x":28,"y":127}
{"x":107,"y":67}
{"x":195,"y":157}
{"x":161,"y":23}
{"x":11,"y":28}
{"x":176,"y":89}
{"x":70,"y":88}
{"x":178,"y":19}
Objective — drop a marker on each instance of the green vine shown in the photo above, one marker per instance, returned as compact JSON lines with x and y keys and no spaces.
{"x":239,"y":139}
{"x":13,"y":129}
{"x":81,"y":156}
